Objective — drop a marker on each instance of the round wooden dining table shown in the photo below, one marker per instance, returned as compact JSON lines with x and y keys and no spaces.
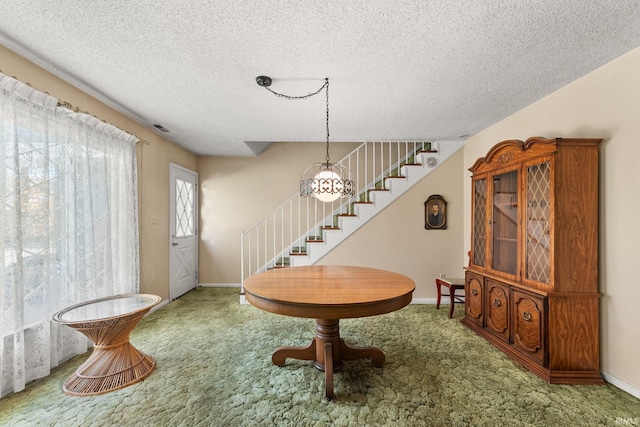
{"x":327,"y":294}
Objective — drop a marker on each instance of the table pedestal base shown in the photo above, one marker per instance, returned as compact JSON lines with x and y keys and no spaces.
{"x":114,"y":363}
{"x":328,"y":351}
{"x":109,"y":369}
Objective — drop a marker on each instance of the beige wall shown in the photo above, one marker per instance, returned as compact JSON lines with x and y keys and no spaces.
{"x":153,"y":173}
{"x":604,"y":104}
{"x":396,"y":239}
{"x":153,"y":167}
{"x":236,"y":193}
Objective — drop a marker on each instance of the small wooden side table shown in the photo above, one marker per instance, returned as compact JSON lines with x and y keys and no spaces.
{"x":453,"y":285}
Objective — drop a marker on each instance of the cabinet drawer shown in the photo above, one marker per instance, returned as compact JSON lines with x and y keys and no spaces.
{"x":496,"y":309}
{"x":474,"y":297}
{"x":528,"y":325}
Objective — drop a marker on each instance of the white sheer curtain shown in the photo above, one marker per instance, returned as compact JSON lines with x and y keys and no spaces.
{"x":68,"y":226}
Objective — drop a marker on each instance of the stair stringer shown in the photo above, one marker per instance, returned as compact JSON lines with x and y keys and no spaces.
{"x":381,"y":199}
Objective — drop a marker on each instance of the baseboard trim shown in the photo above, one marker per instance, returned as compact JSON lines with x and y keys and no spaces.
{"x":444,"y":300}
{"x":634,"y":391}
{"x":220,"y":285}
{"x":157,"y":307}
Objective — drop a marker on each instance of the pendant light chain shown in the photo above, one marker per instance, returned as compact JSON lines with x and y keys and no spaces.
{"x":327,"y":158}
{"x":309,"y":95}
{"x":326,"y":181}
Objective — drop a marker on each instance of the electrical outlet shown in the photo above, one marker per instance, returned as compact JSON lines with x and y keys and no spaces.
{"x":443,"y":276}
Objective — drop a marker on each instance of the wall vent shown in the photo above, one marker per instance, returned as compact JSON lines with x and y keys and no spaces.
{"x":161,"y":128}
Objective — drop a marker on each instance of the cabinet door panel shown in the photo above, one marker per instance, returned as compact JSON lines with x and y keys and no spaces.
{"x":480,"y":221}
{"x":529,"y":319}
{"x":473,"y":298}
{"x":497,"y":309}
{"x":538,"y":222}
{"x":504,"y":222}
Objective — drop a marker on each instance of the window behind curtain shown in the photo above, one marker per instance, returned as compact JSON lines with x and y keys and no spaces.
{"x":68,"y":226}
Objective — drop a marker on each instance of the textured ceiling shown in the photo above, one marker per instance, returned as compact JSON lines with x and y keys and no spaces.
{"x":399,"y":70}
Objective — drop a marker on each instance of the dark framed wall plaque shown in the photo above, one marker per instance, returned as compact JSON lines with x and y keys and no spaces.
{"x":435,"y":213}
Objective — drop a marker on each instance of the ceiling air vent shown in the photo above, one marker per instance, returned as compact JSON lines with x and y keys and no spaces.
{"x":161,"y":128}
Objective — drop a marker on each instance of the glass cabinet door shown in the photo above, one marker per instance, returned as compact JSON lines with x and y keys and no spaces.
{"x":479,"y":222}
{"x":504,"y":222}
{"x":538,"y":223}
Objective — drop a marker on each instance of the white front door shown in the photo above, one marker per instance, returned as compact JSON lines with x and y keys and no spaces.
{"x":183,"y":224}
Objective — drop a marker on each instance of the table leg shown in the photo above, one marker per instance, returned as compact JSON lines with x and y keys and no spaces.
{"x":352,"y":352}
{"x":301,"y":353}
{"x":328,"y":370}
{"x":452,"y":297}
{"x":439,"y":290}
{"x":452,"y":292}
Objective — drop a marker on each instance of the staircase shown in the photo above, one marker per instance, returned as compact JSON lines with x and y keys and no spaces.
{"x":303,"y":230}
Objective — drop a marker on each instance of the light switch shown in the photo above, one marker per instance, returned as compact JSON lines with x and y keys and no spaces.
{"x":153,"y":219}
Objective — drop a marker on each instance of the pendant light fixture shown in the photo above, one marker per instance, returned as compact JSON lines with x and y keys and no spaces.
{"x":326,"y":181}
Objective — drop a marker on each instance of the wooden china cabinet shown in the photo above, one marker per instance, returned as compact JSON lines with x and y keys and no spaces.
{"x":532,"y":280}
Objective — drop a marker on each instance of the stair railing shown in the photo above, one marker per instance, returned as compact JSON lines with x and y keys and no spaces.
{"x":287,"y":230}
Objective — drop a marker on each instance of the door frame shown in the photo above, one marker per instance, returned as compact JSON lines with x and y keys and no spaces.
{"x":173,"y":167}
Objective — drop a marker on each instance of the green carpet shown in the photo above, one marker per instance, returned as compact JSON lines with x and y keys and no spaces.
{"x":214,"y":369}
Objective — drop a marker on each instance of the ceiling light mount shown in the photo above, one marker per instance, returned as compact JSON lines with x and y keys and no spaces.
{"x":263,"y":81}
